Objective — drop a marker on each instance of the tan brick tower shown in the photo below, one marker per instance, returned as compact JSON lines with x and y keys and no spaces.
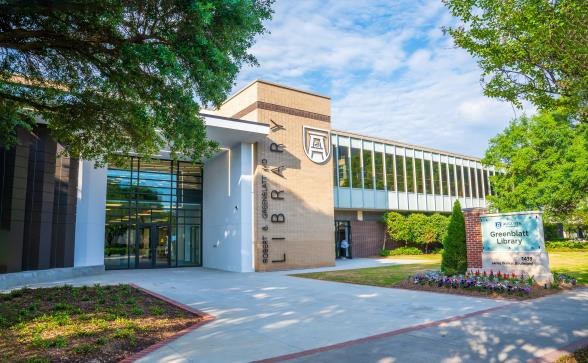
{"x":293,"y":201}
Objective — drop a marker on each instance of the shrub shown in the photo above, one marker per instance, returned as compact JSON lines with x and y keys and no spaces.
{"x":401,"y":251}
{"x":454,"y":258}
{"x":565,"y":246}
{"x":397,"y":226}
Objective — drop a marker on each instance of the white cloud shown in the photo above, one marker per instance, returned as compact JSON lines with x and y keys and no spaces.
{"x":388,"y":67}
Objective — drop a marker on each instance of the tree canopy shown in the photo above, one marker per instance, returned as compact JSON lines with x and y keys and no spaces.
{"x":113,"y":77}
{"x":544,"y":164}
{"x":534,"y":50}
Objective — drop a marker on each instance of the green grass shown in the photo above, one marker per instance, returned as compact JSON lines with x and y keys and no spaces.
{"x":570,"y":263}
{"x":379,"y":276}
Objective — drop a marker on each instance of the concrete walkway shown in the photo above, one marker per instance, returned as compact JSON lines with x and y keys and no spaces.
{"x":528,"y":331}
{"x":263,"y":315}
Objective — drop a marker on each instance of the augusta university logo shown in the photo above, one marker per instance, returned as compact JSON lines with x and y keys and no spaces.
{"x":316,"y":144}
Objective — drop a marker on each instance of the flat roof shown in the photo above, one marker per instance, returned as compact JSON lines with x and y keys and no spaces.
{"x":276,"y":85}
{"x":404,"y":144}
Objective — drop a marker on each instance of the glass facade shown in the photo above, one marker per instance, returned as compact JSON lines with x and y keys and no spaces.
{"x":375,"y":166}
{"x":343,"y":166}
{"x":400,"y":180}
{"x":437,"y":178}
{"x":355,"y":168}
{"x":390,"y":176}
{"x":418,"y":167}
{"x":459,"y":175}
{"x":466,"y":181}
{"x":379,"y":170}
{"x":410,"y":187}
{"x":153,"y":214}
{"x":445,"y":183}
{"x":428,"y":177}
{"x":486,"y":184}
{"x":368,"y":170}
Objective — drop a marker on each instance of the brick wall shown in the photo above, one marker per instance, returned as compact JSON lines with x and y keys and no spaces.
{"x":474,"y":236}
{"x":367,"y":238}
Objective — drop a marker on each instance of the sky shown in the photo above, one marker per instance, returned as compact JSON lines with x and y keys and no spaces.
{"x":388,"y":68}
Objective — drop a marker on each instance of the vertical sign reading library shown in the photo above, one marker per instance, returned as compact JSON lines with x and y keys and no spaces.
{"x":275,"y":215}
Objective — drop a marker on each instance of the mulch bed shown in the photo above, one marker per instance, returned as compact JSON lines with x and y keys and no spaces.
{"x":536,"y":292}
{"x":80,"y":324}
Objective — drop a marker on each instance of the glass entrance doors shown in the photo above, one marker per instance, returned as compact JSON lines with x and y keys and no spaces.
{"x":153,"y":247}
{"x":153,"y":214}
{"x":343,"y":239}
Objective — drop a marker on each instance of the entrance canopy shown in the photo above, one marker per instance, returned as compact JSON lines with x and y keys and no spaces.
{"x":229,"y":132}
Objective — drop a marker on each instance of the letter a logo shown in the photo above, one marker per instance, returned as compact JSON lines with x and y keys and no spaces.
{"x":317,"y":144}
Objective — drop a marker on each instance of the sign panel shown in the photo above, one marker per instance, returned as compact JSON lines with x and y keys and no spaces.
{"x":514,"y":243}
{"x":512,"y":232}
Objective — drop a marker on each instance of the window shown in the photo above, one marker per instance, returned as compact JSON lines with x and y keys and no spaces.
{"x":6,"y":182}
{"x":445,"y":181}
{"x":410,"y":175}
{"x":153,"y":214}
{"x":418,"y":168}
{"x":486,"y":184}
{"x":466,"y":181}
{"x":473,"y":182}
{"x":480,"y":182}
{"x":334,"y":157}
{"x":400,"y":173}
{"x":459,"y":180}
{"x":368,"y":170}
{"x":379,"y":164}
{"x":343,"y":166}
{"x":428,"y":180}
{"x":390,"y":169}
{"x":436,"y":178}
{"x":355,"y":168}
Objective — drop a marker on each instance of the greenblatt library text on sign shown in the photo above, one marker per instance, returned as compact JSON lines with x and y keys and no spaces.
{"x":514,"y":243}
{"x":512,"y":233}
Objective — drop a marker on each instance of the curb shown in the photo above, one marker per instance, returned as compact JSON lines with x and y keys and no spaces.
{"x":206,"y":318}
{"x":408,"y":329}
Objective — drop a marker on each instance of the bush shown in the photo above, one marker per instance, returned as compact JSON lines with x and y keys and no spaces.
{"x":565,"y":246}
{"x":397,"y":226}
{"x":401,"y":251}
{"x":454,"y":258}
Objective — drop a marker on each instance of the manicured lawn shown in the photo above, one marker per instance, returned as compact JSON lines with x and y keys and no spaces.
{"x":379,"y":276}
{"x":80,"y":324}
{"x":572,"y":263}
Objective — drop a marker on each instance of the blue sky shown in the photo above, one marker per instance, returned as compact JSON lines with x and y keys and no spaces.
{"x":388,"y":67}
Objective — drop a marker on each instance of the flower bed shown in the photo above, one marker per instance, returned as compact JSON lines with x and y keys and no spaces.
{"x":483,"y":284}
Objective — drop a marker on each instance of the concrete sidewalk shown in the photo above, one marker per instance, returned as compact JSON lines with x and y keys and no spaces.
{"x":262,"y":315}
{"x":521,"y":332}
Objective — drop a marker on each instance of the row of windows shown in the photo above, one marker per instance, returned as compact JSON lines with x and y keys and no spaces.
{"x":369,"y":169}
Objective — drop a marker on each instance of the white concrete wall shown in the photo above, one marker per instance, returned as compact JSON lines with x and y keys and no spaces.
{"x":90,"y":216}
{"x":228,"y":210}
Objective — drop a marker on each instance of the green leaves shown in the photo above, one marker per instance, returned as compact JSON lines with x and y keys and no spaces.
{"x":544,"y":160}
{"x":533,"y":50}
{"x":113,"y":78}
{"x":454,"y":258}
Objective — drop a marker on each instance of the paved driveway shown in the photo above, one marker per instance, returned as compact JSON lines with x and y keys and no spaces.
{"x":263,"y":315}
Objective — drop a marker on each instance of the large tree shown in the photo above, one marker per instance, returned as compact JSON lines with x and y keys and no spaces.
{"x":534,"y":50}
{"x":113,"y":77}
{"x":543,"y":163}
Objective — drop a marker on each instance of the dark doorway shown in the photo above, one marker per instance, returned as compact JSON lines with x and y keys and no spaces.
{"x":343,"y":233}
{"x":153,"y":246}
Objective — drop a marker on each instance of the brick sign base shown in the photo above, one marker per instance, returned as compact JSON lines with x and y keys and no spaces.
{"x":500,"y":261}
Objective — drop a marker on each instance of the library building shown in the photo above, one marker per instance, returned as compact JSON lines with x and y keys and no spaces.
{"x":284,"y":191}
